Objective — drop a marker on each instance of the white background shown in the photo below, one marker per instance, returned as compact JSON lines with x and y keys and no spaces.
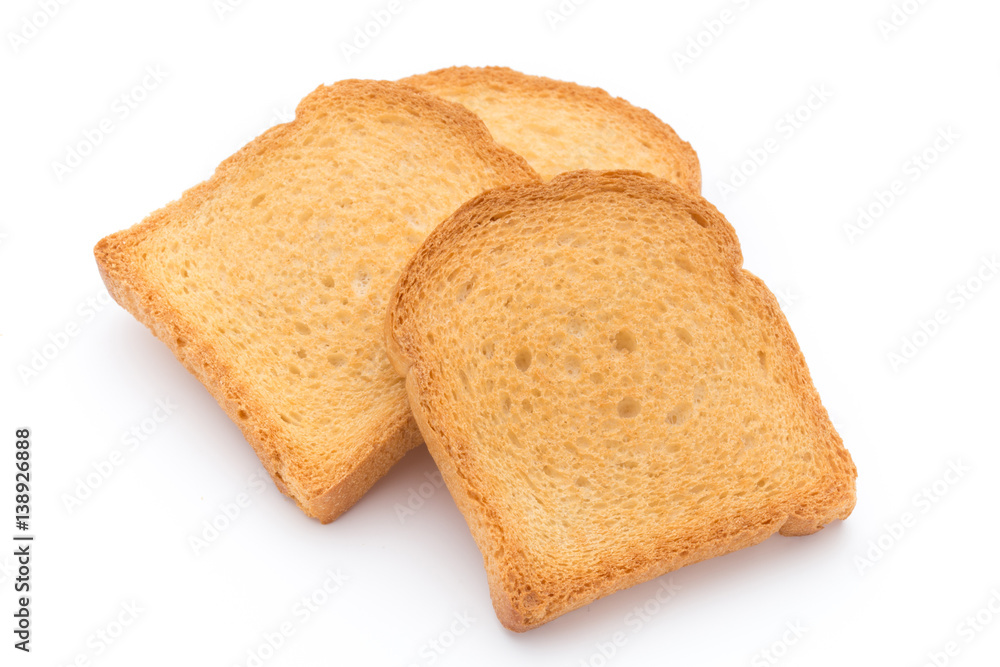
{"x":851,"y":304}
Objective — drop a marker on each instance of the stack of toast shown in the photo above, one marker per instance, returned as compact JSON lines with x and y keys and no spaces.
{"x":521,"y":273}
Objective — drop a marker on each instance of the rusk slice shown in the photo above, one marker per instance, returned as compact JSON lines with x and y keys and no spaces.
{"x":559,"y":126}
{"x":269,"y":281}
{"x":608,"y":394}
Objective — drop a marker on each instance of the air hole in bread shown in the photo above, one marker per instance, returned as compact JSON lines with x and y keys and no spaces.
{"x":523,"y":359}
{"x":628,"y":407}
{"x":699,"y":218}
{"x":679,"y":414}
{"x":684,"y":335}
{"x":303,"y":328}
{"x":684,"y":263}
{"x":362,"y":281}
{"x":463,"y":292}
{"x":700,"y":389}
{"x":625,"y":341}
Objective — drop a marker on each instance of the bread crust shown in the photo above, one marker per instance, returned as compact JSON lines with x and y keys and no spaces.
{"x":120,"y":264}
{"x":513,"y":83}
{"x":826,"y":499}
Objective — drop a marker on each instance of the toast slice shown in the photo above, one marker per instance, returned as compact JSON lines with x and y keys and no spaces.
{"x":608,"y":395}
{"x":559,"y":126}
{"x":269,"y":281}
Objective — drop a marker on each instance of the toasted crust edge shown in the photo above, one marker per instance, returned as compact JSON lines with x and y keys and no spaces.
{"x":118,"y":267}
{"x":487,"y":529}
{"x":532,"y":84}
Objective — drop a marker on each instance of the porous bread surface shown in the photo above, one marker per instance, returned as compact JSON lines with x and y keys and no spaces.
{"x":269,"y":281}
{"x":560,"y":126}
{"x":607,"y":393}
